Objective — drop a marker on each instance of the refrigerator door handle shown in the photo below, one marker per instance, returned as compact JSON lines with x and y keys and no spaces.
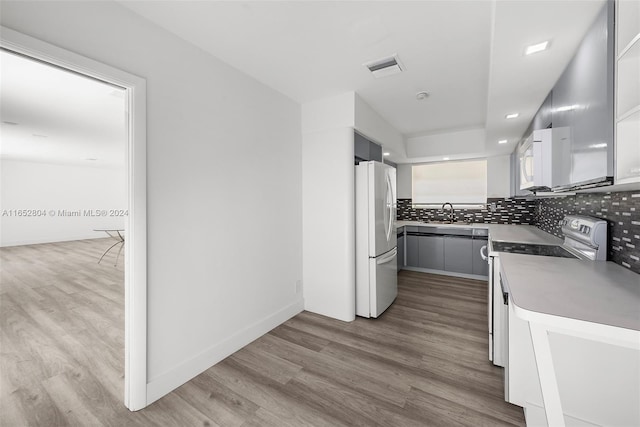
{"x":389,"y":202}
{"x":388,"y":257}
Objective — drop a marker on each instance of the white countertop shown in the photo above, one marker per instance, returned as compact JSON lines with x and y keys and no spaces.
{"x":514,"y":233}
{"x":597,"y":292}
{"x":522,"y":234}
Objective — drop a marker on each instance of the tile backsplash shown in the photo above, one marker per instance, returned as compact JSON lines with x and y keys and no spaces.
{"x":497,"y":211}
{"x":620,"y":209}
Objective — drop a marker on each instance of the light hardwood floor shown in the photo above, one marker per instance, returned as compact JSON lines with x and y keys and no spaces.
{"x":422,"y":363}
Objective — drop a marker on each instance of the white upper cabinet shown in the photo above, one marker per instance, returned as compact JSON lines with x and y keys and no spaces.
{"x":627,"y":113}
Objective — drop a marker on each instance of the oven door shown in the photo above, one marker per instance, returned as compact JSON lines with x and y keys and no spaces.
{"x":500,"y":314}
{"x":490,"y":260}
{"x":505,"y":342}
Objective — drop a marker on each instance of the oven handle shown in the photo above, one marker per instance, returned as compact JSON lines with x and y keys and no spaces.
{"x":505,"y":295}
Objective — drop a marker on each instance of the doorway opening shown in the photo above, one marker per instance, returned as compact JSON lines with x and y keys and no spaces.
{"x":65,"y":319}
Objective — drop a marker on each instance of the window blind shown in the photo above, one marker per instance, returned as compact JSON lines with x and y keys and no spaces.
{"x":463,"y":182}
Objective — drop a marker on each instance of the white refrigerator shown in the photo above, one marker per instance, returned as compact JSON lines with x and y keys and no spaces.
{"x":376,"y":248}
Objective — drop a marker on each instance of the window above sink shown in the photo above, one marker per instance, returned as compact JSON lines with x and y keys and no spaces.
{"x":462,"y":183}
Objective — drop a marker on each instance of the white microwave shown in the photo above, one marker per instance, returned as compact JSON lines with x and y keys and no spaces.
{"x":526,"y":161}
{"x":536,"y":161}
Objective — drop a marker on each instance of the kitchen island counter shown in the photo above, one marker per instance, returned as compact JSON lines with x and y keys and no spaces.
{"x":597,"y":292}
{"x":573,"y":340}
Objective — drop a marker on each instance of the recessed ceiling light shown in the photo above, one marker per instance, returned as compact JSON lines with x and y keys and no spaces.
{"x":511,"y":116}
{"x":535,"y":48}
{"x":421,"y":96}
{"x":503,"y":141}
{"x":385,"y":154}
{"x":445,"y":158}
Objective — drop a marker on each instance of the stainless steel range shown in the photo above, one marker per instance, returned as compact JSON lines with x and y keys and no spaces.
{"x":585,"y":238}
{"x":530,"y":249}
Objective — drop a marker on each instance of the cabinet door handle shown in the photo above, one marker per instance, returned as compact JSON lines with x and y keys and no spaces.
{"x":483,"y":252}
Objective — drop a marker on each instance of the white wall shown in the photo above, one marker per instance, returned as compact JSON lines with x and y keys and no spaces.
{"x":499,"y":176}
{"x":224,"y":186}
{"x":329,"y":225}
{"x":404,"y":177}
{"x":368,"y":122}
{"x":463,"y":144}
{"x":52,"y":188}
{"x":329,"y":113}
{"x":328,"y":210}
{"x":328,"y":207}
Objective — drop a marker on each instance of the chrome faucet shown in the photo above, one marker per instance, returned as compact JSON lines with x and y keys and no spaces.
{"x":451,"y":214}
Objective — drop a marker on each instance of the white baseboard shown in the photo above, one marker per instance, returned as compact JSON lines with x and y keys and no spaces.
{"x":189,"y":369}
{"x":535,"y":416}
{"x":94,"y":235}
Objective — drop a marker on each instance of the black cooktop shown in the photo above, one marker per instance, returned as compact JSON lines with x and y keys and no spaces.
{"x":530,"y":249}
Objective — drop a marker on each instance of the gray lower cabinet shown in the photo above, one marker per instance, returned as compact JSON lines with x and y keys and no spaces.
{"x":411,"y":246}
{"x":445,"y":252}
{"x":400,"y":252}
{"x":431,"y":252}
{"x":458,"y":254}
{"x":480,"y":266}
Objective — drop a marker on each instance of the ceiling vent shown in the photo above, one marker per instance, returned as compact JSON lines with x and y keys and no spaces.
{"x":385,"y":66}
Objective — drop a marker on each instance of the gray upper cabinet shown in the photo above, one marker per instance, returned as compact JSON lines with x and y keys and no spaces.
{"x":582,"y":104}
{"x":361,"y":147}
{"x":365,"y":150}
{"x":375,"y":152}
{"x":544,"y":117}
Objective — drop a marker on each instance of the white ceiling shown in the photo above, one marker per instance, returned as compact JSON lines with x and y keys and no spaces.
{"x":469,"y":55}
{"x":56,"y":116}
{"x":519,"y":83}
